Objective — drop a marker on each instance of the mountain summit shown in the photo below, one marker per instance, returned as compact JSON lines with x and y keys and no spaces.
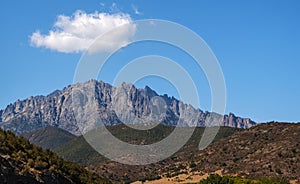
{"x":80,"y":107}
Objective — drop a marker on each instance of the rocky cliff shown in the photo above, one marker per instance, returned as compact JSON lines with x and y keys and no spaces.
{"x":81,"y":107}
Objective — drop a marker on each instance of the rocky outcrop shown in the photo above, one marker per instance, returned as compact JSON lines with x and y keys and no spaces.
{"x":81,"y":107}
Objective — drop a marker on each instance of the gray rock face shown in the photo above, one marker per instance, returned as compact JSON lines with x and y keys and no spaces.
{"x":81,"y":107}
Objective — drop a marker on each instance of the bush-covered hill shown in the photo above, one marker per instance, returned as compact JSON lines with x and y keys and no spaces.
{"x":266,"y":150}
{"x":79,"y":151}
{"x":49,"y":137}
{"x":22,"y":162}
{"x":217,"y":179}
{"x":271,"y":149}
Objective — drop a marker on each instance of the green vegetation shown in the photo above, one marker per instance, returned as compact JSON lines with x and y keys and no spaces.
{"x":264,"y":150}
{"x":151,"y":177}
{"x":79,"y":151}
{"x":32,"y":161}
{"x":217,"y":179}
{"x":116,"y":171}
{"x":49,"y":137}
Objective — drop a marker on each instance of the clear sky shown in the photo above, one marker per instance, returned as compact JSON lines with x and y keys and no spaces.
{"x":256,"y":42}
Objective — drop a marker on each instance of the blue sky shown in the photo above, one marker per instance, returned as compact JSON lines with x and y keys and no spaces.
{"x":257,"y":44}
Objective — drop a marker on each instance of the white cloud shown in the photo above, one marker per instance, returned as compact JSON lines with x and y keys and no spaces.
{"x":77,"y":32}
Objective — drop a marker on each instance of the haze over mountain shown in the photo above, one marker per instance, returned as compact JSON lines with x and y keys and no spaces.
{"x":80,"y":107}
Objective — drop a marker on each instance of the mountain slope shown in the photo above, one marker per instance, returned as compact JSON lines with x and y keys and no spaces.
{"x":79,"y":151}
{"x":81,"y":107}
{"x":265,"y":150}
{"x":49,"y":137}
{"x":271,"y":149}
{"x":22,"y":162}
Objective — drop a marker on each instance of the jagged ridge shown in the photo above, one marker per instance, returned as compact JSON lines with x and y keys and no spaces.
{"x":100,"y":101}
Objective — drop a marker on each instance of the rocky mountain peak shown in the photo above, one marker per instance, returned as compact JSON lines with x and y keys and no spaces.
{"x":150,"y":92}
{"x":80,"y":107}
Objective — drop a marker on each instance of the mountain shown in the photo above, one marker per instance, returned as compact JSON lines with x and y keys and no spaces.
{"x":22,"y":162}
{"x":82,"y":107}
{"x":266,"y":150}
{"x":49,"y":137}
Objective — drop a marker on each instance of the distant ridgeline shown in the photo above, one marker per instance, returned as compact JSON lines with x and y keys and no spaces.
{"x":102,"y":102}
